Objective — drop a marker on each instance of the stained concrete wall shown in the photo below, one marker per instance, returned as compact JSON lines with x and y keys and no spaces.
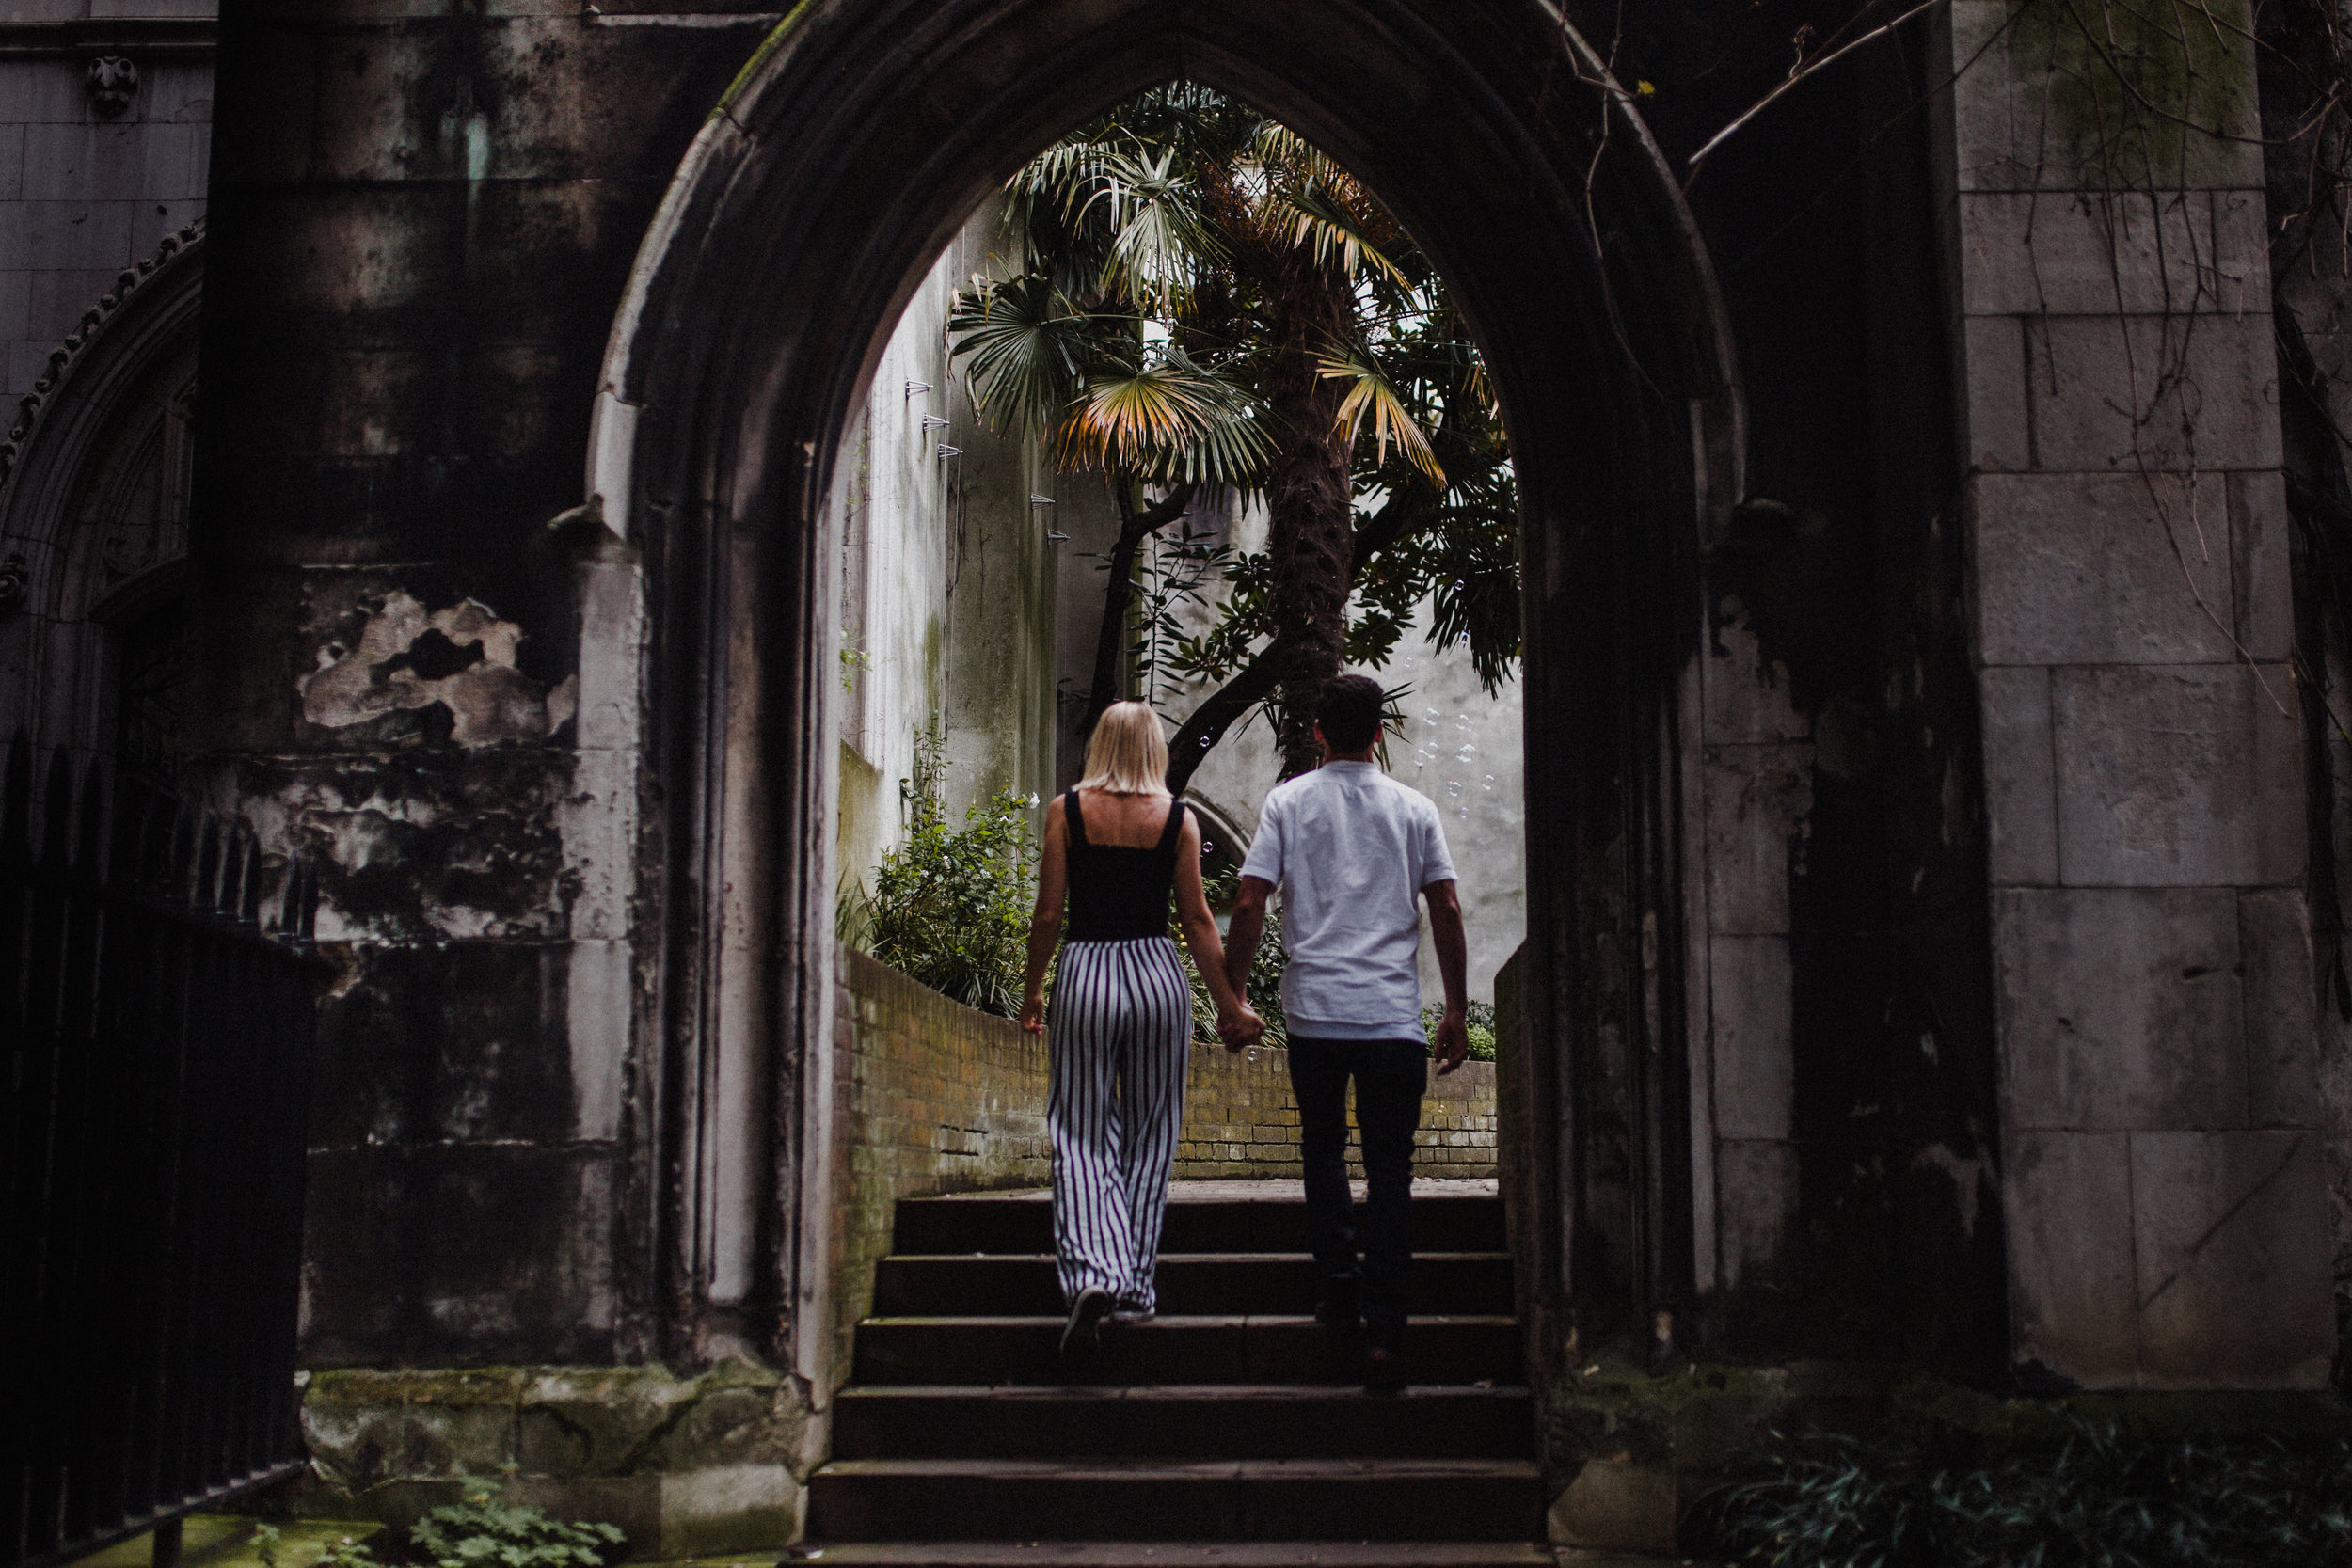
{"x":946,"y":613}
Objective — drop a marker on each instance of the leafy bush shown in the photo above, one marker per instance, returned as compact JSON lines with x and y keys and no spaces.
{"x":1479,"y":1016}
{"x":950,"y":907}
{"x":2108,"y":1499}
{"x":482,"y":1531}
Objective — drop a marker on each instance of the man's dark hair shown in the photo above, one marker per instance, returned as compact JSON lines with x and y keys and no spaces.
{"x":1349,"y":712}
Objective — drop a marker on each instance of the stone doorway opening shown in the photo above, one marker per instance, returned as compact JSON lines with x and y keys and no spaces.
{"x":846,"y":158}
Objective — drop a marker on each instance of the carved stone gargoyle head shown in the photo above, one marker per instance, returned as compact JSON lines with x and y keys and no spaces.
{"x":112,"y":82}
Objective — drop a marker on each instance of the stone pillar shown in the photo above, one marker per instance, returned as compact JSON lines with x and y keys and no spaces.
{"x":2165,"y":1196}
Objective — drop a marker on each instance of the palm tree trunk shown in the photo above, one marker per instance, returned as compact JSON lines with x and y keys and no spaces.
{"x":1221,"y":709}
{"x":1119,"y":593}
{"x":1309,"y":500}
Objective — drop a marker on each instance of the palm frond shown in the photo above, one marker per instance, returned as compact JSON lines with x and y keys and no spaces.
{"x":1280,"y":148}
{"x":1160,"y":241}
{"x":1028,"y":351}
{"x":1371,"y":395}
{"x":1335,"y":235}
{"x":1170,"y":421}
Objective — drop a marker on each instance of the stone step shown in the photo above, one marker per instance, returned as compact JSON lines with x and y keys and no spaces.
{"x":1189,"y":1283}
{"x":1174,"y":1554}
{"x":1249,"y":1499}
{"x":1230,"y":1421}
{"x":1022,"y":1222}
{"x":1291,"y":1349}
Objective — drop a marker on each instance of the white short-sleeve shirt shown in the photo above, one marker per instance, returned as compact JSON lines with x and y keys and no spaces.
{"x":1350,"y":848}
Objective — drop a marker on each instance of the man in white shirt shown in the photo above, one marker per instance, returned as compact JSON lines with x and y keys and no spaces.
{"x":1354,"y":851}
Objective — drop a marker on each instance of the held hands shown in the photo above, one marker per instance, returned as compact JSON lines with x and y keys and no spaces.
{"x":1453,"y":1041}
{"x":1240,"y":1027}
{"x":1033,"y":1011}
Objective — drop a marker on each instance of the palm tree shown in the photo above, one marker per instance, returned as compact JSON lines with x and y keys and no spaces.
{"x":1201,"y":302}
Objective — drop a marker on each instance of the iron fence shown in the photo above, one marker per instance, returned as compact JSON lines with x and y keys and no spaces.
{"x":157,"y":1039}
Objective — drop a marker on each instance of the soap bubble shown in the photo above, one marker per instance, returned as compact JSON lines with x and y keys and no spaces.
{"x":1422,"y":757}
{"x":1430,"y":716}
{"x":1488,"y":786}
{"x":1462,"y":811}
{"x":1453,"y":788}
{"x":1467,"y":752}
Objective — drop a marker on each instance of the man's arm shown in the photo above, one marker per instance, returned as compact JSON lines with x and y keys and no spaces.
{"x":1445,"y":935}
{"x":1241,"y":934}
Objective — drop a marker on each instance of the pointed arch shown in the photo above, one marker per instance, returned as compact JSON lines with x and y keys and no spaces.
{"x":843,"y":158}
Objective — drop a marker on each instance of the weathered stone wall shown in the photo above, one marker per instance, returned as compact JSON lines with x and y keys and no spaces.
{"x":2165,"y":1186}
{"x":85,"y":194}
{"x":946,"y":614}
{"x":685,"y":1466}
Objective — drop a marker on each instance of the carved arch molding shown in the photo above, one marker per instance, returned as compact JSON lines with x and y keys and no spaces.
{"x":847,"y":153}
{"x":94,"y":517}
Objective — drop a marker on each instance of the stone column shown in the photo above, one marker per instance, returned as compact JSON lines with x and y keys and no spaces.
{"x":2165,"y":1190}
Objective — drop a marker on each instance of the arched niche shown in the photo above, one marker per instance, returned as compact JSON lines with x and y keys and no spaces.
{"x":846,"y":153}
{"x":94,"y":502}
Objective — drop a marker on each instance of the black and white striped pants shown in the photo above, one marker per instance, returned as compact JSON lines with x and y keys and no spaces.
{"x":1122,"y":1033}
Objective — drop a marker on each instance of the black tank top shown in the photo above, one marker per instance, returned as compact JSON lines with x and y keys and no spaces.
{"x":1119,"y":892}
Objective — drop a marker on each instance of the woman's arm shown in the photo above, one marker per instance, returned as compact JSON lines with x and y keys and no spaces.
{"x":1208,"y":952}
{"x":1045,"y":922}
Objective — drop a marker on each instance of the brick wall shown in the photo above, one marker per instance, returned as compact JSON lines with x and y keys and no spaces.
{"x":1239,"y":1121}
{"x":935,"y":1097}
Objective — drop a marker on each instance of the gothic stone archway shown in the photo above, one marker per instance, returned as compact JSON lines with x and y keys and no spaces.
{"x":841,"y":160}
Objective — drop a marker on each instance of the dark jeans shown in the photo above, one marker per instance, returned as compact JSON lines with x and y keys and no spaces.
{"x":1389,"y":1077}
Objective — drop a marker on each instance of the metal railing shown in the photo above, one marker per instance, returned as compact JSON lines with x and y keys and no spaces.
{"x":156,"y":1037}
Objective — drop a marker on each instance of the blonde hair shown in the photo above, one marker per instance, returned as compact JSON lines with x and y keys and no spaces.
{"x":1126,"y":755}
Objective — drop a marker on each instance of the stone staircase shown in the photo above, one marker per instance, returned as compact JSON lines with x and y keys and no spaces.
{"x":1229,"y":1431}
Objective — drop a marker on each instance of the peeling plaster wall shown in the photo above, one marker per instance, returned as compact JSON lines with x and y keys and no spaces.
{"x":428,"y":222}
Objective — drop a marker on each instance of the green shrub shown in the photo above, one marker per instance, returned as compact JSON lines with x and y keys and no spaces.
{"x":483,"y":1531}
{"x":1479,"y":1016}
{"x":2108,"y":1499}
{"x":950,"y":907}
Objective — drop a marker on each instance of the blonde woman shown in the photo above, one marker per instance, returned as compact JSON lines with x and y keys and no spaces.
{"x":1123,"y":1014}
